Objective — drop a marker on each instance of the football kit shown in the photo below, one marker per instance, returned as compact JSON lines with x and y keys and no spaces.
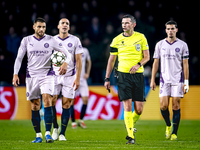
{"x":64,"y":83}
{"x":171,"y":57}
{"x":39,"y":77}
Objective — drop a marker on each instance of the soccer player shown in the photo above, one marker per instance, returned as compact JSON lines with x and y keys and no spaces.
{"x":132,"y":50}
{"x":173,"y":55}
{"x":39,"y":77}
{"x":68,"y":83}
{"x":83,"y":90}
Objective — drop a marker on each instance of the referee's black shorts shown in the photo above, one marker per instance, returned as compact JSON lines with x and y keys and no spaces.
{"x":131,"y":86}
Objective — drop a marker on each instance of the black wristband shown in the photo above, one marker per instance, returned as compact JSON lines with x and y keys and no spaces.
{"x":107,"y":80}
{"x":139,"y":64}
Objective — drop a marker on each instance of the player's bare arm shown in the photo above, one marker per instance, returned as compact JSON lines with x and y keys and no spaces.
{"x":88,"y":68}
{"x":186,"y":75}
{"x":111,"y":62}
{"x":153,"y":75}
{"x":78,"y":71}
{"x":145,"y":59}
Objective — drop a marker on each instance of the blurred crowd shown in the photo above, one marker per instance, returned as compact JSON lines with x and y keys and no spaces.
{"x":96,"y":23}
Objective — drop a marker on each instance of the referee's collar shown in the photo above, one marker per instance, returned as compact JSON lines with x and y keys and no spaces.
{"x":127,"y":36}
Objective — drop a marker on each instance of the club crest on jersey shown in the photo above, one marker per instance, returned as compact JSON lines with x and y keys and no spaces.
{"x":46,"y":45}
{"x":138,"y":47}
{"x":69,"y":44}
{"x":177,"y":49}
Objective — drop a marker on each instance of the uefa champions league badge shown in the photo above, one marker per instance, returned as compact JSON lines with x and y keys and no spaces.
{"x":137,"y":47}
{"x":46,"y":45}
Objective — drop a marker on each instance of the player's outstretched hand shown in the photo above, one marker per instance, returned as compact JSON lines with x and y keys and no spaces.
{"x":63,"y":69}
{"x":153,"y":86}
{"x":15,"y":80}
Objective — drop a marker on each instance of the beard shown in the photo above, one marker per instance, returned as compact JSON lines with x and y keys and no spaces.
{"x":40,"y":34}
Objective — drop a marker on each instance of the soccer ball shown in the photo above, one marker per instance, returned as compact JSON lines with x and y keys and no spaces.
{"x":57,"y":58}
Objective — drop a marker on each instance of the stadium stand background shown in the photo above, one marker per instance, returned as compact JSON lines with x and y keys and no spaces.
{"x":97,"y":23}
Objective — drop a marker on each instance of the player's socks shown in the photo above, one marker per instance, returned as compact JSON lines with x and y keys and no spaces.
{"x":64,"y":120}
{"x":165,"y":114}
{"x":128,"y":119}
{"x":48,"y":118}
{"x":83,"y":110}
{"x":55,"y":123}
{"x":176,"y":120}
{"x":136,"y":117}
{"x":72,"y":113}
{"x":35,"y":118}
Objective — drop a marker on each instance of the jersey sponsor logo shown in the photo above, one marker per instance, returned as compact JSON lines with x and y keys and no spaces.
{"x":138,"y":47}
{"x":60,"y":44}
{"x":8,"y":102}
{"x":46,"y":45}
{"x":39,"y":53}
{"x":169,"y":56}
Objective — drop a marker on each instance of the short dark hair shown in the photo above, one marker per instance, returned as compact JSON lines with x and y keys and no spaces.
{"x":171,"y":22}
{"x":131,"y":17}
{"x":39,"y":20}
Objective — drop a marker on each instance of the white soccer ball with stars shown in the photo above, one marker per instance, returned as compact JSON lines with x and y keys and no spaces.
{"x":57,"y":58}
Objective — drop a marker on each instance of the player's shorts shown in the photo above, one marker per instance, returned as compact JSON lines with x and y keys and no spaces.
{"x":172,"y":90}
{"x":83,"y":90}
{"x":131,"y":86}
{"x":64,"y":84}
{"x":35,"y":86}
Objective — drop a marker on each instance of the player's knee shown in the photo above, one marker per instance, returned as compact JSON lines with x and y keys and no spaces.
{"x":54,"y":99}
{"x":163,"y":107}
{"x":139,"y":111}
{"x":85,"y":101}
{"x":176,"y":106}
{"x":35,"y":105}
{"x":47,"y":101}
{"x":67,"y":103}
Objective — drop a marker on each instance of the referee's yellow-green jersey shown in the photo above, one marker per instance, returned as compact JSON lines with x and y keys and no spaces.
{"x":129,"y":50}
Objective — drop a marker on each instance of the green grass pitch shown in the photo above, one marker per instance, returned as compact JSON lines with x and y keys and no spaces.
{"x":101,"y":135}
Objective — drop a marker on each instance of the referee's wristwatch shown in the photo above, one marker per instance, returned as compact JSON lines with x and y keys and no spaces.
{"x":107,"y":80}
{"x":139,"y":64}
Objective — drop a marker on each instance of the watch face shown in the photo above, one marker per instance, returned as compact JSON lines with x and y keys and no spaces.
{"x":106,"y":79}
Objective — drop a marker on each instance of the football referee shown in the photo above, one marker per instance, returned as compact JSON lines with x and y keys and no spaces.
{"x":132,"y":50}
